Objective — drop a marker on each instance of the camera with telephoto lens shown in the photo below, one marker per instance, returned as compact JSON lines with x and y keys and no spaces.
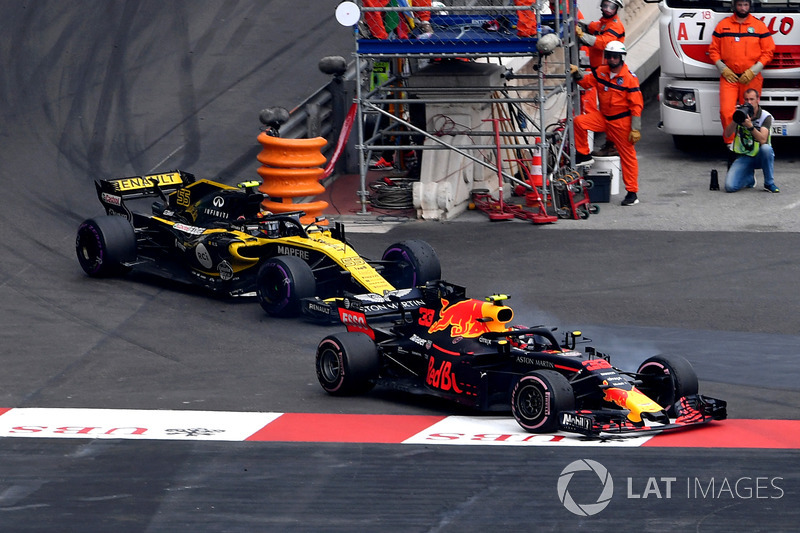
{"x":742,"y":112}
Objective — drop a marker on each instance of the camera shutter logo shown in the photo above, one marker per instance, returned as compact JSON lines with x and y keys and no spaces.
{"x":585,"y":509}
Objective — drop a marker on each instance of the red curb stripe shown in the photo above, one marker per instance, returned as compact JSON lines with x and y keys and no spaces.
{"x":734,"y":433}
{"x":310,"y":427}
{"x":396,"y":429}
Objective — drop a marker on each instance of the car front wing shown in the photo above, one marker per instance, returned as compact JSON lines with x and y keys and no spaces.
{"x":613,"y":423}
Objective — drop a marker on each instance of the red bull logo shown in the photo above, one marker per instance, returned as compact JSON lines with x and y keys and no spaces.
{"x":616,"y":396}
{"x":633,"y":400}
{"x":443,"y":377}
{"x":468,"y":318}
{"x":460,"y":317}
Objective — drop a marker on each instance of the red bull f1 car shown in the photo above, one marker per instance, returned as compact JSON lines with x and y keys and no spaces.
{"x":217,"y":236}
{"x":464,"y":350}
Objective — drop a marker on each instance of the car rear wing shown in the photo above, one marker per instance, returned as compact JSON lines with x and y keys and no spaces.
{"x":112,"y":192}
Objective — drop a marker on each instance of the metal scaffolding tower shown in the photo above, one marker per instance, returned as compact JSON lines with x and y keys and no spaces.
{"x":398,"y":46}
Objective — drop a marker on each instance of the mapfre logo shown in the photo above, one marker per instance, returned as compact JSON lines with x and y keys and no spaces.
{"x":601,"y":480}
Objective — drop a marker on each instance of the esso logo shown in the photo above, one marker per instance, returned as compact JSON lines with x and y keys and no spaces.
{"x":356,"y":321}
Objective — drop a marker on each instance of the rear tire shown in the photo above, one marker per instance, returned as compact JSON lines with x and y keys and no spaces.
{"x":538,"y":398}
{"x":283,"y":282}
{"x":413,"y":263}
{"x":347,"y":364}
{"x":667,"y":378}
{"x":103,"y":244}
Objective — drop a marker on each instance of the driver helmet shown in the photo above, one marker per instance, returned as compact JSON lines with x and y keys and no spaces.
{"x":272,"y":229}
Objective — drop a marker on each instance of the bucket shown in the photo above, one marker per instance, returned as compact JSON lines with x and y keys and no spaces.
{"x":612,"y":164}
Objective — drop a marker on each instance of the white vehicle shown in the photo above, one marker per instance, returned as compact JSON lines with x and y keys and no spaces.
{"x":689,"y":81}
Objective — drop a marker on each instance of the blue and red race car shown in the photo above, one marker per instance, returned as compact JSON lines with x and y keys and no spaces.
{"x":464,"y":350}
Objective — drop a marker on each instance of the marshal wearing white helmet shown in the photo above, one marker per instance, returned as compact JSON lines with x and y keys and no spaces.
{"x":619,"y":114}
{"x":596,"y":35}
{"x":616,"y":47}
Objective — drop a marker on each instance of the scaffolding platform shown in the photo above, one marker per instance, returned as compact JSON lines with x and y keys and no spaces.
{"x":460,"y":35}
{"x":432,"y":83}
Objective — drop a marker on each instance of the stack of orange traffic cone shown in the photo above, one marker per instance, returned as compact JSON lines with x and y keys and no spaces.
{"x":292,"y":168}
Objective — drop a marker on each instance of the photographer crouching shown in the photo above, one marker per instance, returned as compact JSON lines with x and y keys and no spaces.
{"x":751,"y":146}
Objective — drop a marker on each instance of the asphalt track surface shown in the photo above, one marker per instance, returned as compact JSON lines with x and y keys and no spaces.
{"x":101,"y":89}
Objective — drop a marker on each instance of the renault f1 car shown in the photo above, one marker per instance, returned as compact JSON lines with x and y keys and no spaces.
{"x":217,"y":236}
{"x":463,"y":350}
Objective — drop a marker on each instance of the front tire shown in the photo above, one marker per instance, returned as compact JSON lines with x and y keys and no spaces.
{"x":666,"y":379}
{"x":347,"y":364}
{"x":283,"y":282}
{"x":412,"y":263}
{"x":538,"y":398}
{"x":104,"y":244}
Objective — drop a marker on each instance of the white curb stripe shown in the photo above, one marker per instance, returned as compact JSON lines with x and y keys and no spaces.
{"x":132,"y":424}
{"x":504,"y":431}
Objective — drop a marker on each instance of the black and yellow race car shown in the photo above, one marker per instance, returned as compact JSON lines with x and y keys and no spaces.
{"x":464,"y":350}
{"x":218,"y":237}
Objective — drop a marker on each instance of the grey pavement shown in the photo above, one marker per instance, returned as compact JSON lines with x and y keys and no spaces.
{"x":674,"y":189}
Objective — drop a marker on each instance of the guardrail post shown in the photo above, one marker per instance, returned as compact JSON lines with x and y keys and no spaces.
{"x":343,"y":93}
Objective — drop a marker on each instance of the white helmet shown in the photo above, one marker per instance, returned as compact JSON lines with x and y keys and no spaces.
{"x":616,"y":47}
{"x":619,"y":3}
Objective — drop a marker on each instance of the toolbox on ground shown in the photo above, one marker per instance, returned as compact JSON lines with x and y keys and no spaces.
{"x":599,"y":185}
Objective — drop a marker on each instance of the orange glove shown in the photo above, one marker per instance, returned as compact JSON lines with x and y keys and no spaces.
{"x":746,"y":77}
{"x":634,"y":136}
{"x":730,"y":75}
